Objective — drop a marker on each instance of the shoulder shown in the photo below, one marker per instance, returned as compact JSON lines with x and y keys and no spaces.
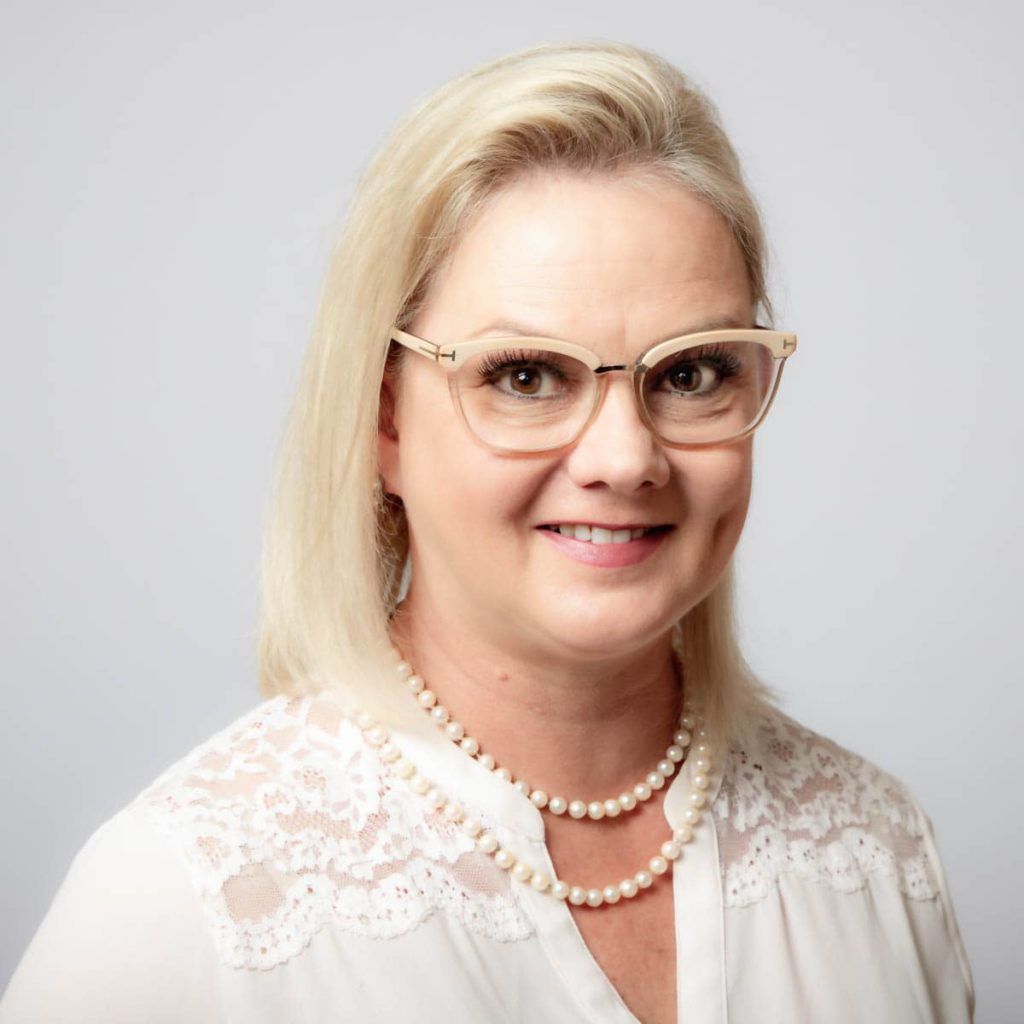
{"x":794,"y":800}
{"x":250,"y":788}
{"x":262,"y":760}
{"x":288,"y":819}
{"x":123,"y":940}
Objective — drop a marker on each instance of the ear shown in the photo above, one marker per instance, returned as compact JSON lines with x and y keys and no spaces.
{"x":388,"y":462}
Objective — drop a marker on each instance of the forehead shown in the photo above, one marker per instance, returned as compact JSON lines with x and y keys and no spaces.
{"x":565,"y":255}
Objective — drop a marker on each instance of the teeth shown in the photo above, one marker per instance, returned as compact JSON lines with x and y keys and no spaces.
{"x":598,"y":534}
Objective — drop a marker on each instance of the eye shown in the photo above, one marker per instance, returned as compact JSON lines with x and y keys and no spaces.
{"x":700,"y":371}
{"x":522,"y":374}
{"x":691,"y":377}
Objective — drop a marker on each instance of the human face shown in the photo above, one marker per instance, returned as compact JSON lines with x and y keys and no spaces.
{"x":614,"y":263}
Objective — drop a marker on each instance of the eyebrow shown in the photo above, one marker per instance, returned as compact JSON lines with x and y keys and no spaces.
{"x":506,"y":328}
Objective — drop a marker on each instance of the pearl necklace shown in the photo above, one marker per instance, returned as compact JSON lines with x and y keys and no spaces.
{"x":671,"y":850}
{"x":557,"y":805}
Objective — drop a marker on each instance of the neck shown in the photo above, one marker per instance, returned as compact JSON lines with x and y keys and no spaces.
{"x":574,"y":728}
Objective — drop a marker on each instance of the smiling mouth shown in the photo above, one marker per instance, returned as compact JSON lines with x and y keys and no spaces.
{"x":599,"y":535}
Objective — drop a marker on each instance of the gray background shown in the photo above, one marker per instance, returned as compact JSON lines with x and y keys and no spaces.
{"x":171,"y":179}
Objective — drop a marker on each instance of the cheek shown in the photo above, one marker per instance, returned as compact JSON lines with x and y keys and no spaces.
{"x":716,"y":494}
{"x":455,"y":487}
{"x":717,"y":485}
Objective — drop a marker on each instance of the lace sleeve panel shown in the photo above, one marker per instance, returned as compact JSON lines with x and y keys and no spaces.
{"x":792,"y":800}
{"x":287,"y":820}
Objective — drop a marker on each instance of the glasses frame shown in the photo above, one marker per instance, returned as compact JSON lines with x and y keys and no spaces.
{"x":781,"y":345}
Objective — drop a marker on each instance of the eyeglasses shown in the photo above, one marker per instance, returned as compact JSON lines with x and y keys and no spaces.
{"x":525,"y":395}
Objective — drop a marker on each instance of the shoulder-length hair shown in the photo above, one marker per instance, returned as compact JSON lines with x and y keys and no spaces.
{"x":334,"y":555}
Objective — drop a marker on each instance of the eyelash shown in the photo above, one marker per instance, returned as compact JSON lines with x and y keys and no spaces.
{"x":518,"y":358}
{"x":724,"y":362}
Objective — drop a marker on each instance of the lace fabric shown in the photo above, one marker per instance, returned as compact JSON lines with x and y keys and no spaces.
{"x":288,"y":819}
{"x":798,"y":802}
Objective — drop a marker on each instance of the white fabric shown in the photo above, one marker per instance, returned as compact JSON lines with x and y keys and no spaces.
{"x":281,"y":872}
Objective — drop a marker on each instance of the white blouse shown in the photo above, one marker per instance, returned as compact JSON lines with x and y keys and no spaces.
{"x":281,"y":872}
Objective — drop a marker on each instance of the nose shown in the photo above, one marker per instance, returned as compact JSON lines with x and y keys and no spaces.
{"x":617,"y":449}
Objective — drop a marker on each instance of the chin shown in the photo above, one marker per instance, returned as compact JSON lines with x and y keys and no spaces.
{"x":605,"y":627}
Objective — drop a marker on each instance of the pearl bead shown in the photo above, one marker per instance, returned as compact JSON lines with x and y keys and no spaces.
{"x":691,"y":728}
{"x":365,"y":720}
{"x":503,"y":858}
{"x":671,"y":850}
{"x":629,"y":888}
{"x":522,"y":872}
{"x":683,"y":834}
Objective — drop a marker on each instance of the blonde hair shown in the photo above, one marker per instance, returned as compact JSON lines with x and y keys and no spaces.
{"x":333,"y":556}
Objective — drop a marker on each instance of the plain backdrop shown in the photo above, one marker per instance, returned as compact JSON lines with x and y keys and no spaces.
{"x":172,"y":177}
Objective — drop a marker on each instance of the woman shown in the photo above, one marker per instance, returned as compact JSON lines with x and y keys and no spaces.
{"x":511,"y":765}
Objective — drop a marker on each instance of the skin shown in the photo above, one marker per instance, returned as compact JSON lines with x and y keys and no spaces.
{"x":545,"y":659}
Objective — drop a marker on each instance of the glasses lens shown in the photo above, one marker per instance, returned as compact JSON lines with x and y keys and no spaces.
{"x":709,"y":392}
{"x":525,"y":399}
